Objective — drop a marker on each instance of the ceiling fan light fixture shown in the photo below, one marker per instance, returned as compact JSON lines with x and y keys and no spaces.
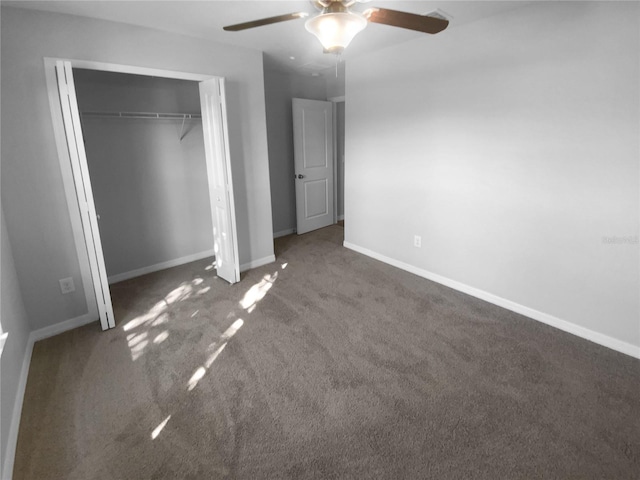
{"x":335,"y":30}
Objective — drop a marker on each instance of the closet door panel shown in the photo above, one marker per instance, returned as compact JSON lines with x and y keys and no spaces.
{"x":84,"y":192}
{"x":214,"y":125}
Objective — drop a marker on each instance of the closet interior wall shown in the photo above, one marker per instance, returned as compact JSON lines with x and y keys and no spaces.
{"x":149,"y":184}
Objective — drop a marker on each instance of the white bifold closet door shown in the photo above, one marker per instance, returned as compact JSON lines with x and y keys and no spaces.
{"x":216,"y":148}
{"x":80,"y":169}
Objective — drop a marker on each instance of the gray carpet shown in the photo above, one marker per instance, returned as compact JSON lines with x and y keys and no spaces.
{"x":326,"y":364}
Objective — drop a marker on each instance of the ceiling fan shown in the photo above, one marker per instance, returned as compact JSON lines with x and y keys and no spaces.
{"x":336,"y":24}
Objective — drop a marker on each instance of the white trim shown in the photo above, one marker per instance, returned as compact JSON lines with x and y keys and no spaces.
{"x":61,"y":327}
{"x":283,"y":233}
{"x":12,"y":438}
{"x":36,"y":335}
{"x":335,"y":101}
{"x":334,"y":121}
{"x":334,"y":118}
{"x":119,"y":277}
{"x":69,"y":185}
{"x":224,"y":131}
{"x":257,"y":263}
{"x":134,"y":70}
{"x":591,"y":335}
{"x":84,"y":193}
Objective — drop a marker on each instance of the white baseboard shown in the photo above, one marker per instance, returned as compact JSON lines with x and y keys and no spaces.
{"x":61,"y":327}
{"x":160,"y":266}
{"x":591,"y":335}
{"x":340,"y":217}
{"x":34,"y":336}
{"x":283,"y":233}
{"x":12,"y":439}
{"x":257,"y":263}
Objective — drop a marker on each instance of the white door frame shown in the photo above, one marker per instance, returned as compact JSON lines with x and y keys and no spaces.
{"x":335,"y":101}
{"x":65,"y":160}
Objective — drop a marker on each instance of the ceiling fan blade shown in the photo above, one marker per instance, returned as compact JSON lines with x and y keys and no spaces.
{"x":421,"y":23}
{"x":265,"y":21}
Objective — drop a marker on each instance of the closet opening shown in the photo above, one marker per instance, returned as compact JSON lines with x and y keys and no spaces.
{"x":145,"y":161}
{"x":145,"y":152}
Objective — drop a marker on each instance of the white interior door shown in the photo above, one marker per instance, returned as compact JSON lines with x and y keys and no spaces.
{"x":78,"y":156}
{"x":216,"y":147}
{"x":313,"y":159}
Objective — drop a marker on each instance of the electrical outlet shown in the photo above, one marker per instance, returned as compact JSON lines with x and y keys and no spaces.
{"x":417,"y":241}
{"x":67,"y":285}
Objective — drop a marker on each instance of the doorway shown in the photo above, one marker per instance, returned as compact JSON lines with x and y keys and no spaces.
{"x":145,"y":152}
{"x":318,"y":137}
{"x":313,"y":152}
{"x":76,"y":176}
{"x":339,"y":122}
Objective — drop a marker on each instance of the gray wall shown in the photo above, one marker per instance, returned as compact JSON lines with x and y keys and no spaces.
{"x":33,"y":196}
{"x":150,"y":187}
{"x":511,"y":147}
{"x":13,"y":318}
{"x":280,"y":87}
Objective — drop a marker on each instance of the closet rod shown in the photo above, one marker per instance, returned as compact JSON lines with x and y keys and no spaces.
{"x":151,"y":115}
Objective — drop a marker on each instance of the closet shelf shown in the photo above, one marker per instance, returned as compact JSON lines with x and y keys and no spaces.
{"x":148,"y":115}
{"x":151,"y":115}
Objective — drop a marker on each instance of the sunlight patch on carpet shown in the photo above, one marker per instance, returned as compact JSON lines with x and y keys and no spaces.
{"x":159,"y":428}
{"x":218,"y":347}
{"x":161,"y":337}
{"x":196,"y":377}
{"x":258,"y":291}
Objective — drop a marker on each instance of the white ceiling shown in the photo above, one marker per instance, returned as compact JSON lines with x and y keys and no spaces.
{"x":281,"y":41}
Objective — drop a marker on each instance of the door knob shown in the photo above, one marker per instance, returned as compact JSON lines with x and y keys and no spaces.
{"x":300,"y":176}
